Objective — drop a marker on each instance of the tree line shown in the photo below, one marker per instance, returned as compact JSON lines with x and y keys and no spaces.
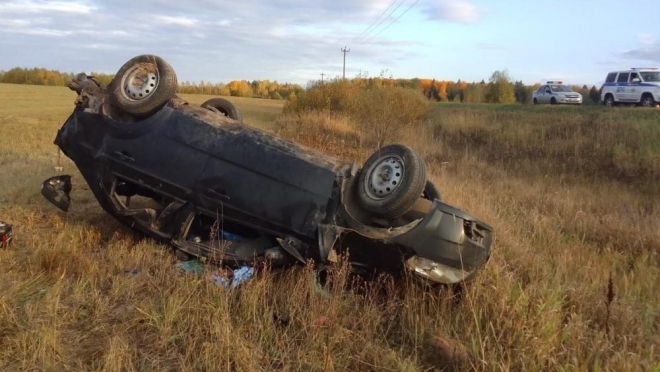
{"x":500,"y":88}
{"x":238,"y":88}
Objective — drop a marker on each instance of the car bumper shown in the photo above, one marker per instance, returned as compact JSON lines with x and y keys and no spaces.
{"x":453,"y":242}
{"x":443,"y":243}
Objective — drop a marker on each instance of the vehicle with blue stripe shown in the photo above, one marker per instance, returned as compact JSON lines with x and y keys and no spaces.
{"x":637,"y":86}
{"x":555,"y":92}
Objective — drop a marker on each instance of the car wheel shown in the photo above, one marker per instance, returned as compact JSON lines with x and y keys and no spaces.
{"x":609,"y":101}
{"x":553,"y":101}
{"x":391,"y":180}
{"x":647,"y":101}
{"x":536,"y":101}
{"x":431,"y":192}
{"x":223,"y":106}
{"x":143,"y":85}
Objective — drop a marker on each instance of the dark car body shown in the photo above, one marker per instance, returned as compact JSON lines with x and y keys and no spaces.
{"x":195,"y":179}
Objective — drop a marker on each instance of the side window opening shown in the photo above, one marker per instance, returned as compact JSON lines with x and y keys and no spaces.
{"x":144,"y":205}
{"x":623,"y":77}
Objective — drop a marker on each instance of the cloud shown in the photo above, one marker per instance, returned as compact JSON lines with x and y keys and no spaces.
{"x":649,"y":53}
{"x":210,"y":40}
{"x":457,"y":11}
{"x":40,"y":32}
{"x":177,"y":21}
{"x":645,"y":38}
{"x":27,"y":6}
{"x":493,"y":47}
{"x":648,"y":50}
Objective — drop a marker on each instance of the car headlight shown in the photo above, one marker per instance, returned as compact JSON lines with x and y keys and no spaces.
{"x":435,"y":271}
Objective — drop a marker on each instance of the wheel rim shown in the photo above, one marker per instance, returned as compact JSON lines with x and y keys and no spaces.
{"x":608,"y":101}
{"x":139,"y":82}
{"x":647,"y":102}
{"x":384,"y":177}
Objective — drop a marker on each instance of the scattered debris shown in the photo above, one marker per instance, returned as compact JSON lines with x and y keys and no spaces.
{"x":190,"y":267}
{"x":321,"y":321}
{"x":226,"y":235}
{"x":6,"y":234}
{"x":445,"y":353}
{"x":57,"y":190}
{"x":239,"y":277}
{"x":131,"y":271}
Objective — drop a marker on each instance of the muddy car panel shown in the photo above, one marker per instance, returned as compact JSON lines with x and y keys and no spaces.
{"x":211,"y":163}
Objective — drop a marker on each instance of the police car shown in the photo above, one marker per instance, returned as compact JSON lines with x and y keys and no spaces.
{"x":555,"y":92}
{"x":638,"y":86}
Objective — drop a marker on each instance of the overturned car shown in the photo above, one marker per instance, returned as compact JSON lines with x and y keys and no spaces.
{"x":197,"y":178}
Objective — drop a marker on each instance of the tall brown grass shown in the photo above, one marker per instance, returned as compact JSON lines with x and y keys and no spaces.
{"x":572,"y":284}
{"x":381,"y":113}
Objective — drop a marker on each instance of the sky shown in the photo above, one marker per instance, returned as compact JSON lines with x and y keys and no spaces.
{"x":294,"y":41}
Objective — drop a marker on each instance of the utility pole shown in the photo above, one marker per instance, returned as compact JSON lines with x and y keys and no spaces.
{"x":322,"y":74}
{"x":345,"y":51}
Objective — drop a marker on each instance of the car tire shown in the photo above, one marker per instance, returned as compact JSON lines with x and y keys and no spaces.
{"x":536,"y":101}
{"x":647,"y":101}
{"x":431,"y":192}
{"x":553,"y":101}
{"x":391,"y":180}
{"x":223,"y":106}
{"x":609,"y":101}
{"x":143,"y":85}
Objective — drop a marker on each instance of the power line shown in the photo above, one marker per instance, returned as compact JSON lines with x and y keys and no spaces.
{"x":383,"y":20}
{"x":375,"y":20}
{"x":390,"y":24}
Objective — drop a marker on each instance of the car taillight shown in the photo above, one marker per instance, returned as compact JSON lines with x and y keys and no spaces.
{"x":5,"y":234}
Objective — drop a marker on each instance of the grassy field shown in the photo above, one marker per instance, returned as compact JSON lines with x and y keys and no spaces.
{"x":572,"y":285}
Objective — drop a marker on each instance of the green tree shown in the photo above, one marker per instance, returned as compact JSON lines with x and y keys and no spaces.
{"x":432,"y":92}
{"x":453,"y":91}
{"x":474,"y":93}
{"x":500,"y":89}
{"x":594,"y":95}
{"x":521,"y":92}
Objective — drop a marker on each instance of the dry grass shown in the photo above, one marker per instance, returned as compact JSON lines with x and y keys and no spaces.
{"x":80,"y":292}
{"x":255,"y":111}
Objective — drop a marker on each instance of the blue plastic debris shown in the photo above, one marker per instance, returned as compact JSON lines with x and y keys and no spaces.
{"x":239,"y":277}
{"x":190,"y":267}
{"x":231,"y":236}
